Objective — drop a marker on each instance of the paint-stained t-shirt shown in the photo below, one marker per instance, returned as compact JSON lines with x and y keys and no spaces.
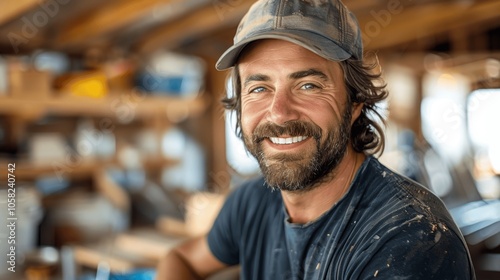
{"x":385,"y":227}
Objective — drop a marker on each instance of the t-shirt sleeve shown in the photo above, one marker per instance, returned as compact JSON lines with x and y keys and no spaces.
{"x":223,"y":238}
{"x":421,"y":251}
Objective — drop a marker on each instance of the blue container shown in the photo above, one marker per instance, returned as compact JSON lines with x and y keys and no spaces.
{"x":139,"y":274}
{"x":153,"y":83}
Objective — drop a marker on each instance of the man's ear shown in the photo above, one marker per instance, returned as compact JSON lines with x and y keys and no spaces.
{"x":356,"y":111}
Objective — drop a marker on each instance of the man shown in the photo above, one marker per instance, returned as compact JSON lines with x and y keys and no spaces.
{"x":326,"y":208}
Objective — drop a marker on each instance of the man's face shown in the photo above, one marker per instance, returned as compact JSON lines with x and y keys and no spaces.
{"x":295,"y":114}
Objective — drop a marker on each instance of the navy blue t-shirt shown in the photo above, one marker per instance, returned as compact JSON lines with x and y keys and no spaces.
{"x":385,"y":227}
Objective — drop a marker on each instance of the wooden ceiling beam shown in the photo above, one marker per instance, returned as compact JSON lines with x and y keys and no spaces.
{"x":194,"y":25}
{"x":15,"y":9}
{"x":110,"y":17}
{"x":359,"y":5}
{"x":424,"y":21}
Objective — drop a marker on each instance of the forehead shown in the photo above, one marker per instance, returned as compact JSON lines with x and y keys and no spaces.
{"x":278,"y":48}
{"x":269,"y":55}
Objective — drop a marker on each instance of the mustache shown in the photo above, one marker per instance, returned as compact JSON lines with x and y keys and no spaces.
{"x":290,"y":128}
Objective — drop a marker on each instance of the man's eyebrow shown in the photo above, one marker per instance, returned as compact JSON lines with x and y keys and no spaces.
{"x":293,"y":76}
{"x":308,"y":72}
{"x":256,"y":77}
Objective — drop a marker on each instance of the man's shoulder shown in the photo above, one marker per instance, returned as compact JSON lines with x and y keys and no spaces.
{"x":394,"y":186}
{"x":391,"y":194}
{"x":398,"y":217}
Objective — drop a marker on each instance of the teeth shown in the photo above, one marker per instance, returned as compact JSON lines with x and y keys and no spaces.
{"x":288,"y":140}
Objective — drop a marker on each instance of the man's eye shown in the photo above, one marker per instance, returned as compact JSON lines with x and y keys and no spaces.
{"x":257,"y":90}
{"x":309,"y":86}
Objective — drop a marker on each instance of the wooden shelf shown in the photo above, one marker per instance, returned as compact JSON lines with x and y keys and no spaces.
{"x":124,"y":106}
{"x":29,"y":171}
{"x":136,"y":248}
{"x":26,"y":171}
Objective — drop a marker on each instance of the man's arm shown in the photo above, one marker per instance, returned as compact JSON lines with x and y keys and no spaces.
{"x":191,"y":260}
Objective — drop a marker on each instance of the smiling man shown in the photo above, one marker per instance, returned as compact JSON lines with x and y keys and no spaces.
{"x":297,"y":115}
{"x":325,"y":208}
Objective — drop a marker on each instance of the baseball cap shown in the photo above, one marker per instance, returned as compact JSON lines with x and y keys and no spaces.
{"x":325,"y":27}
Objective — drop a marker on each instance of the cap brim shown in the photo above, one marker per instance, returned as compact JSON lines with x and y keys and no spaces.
{"x":315,"y":43}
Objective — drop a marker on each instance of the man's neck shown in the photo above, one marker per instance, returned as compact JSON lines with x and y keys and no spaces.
{"x":304,"y":207}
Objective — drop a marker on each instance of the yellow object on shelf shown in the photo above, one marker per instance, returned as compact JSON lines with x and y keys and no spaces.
{"x":92,"y":84}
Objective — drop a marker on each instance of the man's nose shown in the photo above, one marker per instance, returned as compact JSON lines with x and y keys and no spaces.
{"x":283,"y":107}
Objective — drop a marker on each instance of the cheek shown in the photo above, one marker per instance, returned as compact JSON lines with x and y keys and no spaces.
{"x":252,"y":113}
{"x":325,"y":112}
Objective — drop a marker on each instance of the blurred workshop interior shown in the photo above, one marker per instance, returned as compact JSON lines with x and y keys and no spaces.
{"x":111,"y":122}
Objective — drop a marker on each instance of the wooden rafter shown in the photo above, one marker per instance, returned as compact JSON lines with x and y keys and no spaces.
{"x":130,"y":22}
{"x":424,"y":21}
{"x":357,"y":5}
{"x":199,"y":22}
{"x":110,"y":17}
{"x":13,"y":9}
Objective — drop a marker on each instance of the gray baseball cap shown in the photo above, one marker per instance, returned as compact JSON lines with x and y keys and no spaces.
{"x":325,"y":27}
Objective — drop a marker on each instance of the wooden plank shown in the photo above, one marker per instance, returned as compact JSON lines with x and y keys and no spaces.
{"x":109,"y":18}
{"x":433,"y":19}
{"x":12,"y":9}
{"x":92,"y":258}
{"x":147,"y":243}
{"x":79,"y":169}
{"x":119,"y":107}
{"x":111,"y":190}
{"x":357,"y":5}
{"x":199,"y":22}
{"x":26,"y":171}
{"x":219,"y":174}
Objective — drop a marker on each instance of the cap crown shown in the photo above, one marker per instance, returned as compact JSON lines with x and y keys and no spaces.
{"x":330,"y":19}
{"x":326,"y":27}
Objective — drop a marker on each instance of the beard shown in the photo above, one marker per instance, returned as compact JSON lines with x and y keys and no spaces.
{"x":305,"y":170}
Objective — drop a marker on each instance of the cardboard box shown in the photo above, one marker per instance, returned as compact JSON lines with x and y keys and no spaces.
{"x":29,"y":83}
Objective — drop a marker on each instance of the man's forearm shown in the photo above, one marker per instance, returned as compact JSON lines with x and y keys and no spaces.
{"x":174,"y":267}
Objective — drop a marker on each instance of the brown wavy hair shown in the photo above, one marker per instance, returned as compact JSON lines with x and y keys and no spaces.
{"x":364,"y":85}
